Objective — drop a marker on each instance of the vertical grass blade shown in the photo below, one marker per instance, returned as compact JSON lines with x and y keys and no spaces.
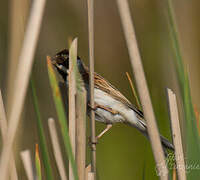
{"x":78,"y":89}
{"x":61,"y":116}
{"x":90,"y":4}
{"x":26,"y":159}
{"x":56,"y":148}
{"x":176,"y":131}
{"x":72,"y":97}
{"x":143,"y":171}
{"x":21,"y":81}
{"x":80,"y":125}
{"x":143,"y":91}
{"x":18,"y":15}
{"x":191,"y":131}
{"x":3,"y":128}
{"x":81,"y":132}
{"x":42,"y":140}
{"x":3,"y":120}
{"x":174,"y":173}
{"x":134,"y":91}
{"x":197,"y":115}
{"x":88,"y":172}
{"x":37,"y":163}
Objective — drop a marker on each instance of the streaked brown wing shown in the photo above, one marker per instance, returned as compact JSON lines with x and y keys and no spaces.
{"x":104,"y":85}
{"x":101,"y":83}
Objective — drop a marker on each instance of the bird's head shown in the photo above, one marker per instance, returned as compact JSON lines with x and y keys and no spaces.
{"x":61,"y":62}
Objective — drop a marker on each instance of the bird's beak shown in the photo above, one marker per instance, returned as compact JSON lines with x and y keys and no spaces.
{"x":59,"y":66}
{"x":53,"y":61}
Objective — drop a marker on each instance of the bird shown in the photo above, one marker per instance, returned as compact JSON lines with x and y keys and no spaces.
{"x":111,"y":106}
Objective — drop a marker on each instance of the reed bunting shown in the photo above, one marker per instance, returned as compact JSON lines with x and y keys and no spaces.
{"x":111,"y":106}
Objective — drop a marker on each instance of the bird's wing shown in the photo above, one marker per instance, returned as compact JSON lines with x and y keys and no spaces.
{"x":103,"y":84}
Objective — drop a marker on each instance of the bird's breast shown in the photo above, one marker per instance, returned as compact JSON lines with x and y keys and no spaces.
{"x":106,"y":100}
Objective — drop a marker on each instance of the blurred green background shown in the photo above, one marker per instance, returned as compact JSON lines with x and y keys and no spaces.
{"x":123,"y":153}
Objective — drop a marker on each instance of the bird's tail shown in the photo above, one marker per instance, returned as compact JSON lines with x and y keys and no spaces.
{"x":141,"y":126}
{"x":166,"y":143}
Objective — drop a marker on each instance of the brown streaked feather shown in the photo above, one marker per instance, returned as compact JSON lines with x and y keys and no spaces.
{"x":101,"y":83}
{"x":104,"y":85}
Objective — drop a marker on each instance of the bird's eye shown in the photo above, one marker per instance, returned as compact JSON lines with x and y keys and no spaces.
{"x":64,"y":56}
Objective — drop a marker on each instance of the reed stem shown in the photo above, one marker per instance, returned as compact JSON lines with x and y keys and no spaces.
{"x":143,"y":91}
{"x":91,"y":84}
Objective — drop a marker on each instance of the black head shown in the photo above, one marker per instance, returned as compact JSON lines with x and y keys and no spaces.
{"x":61,"y":62}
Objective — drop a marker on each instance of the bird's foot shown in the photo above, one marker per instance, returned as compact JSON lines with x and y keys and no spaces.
{"x":108,"y":126}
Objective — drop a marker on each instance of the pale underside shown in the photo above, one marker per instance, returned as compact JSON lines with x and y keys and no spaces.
{"x":125,"y":115}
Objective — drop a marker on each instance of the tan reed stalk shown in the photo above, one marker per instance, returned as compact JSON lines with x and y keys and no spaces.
{"x":17,"y":23}
{"x":26,"y":159}
{"x":72,"y":108}
{"x":133,"y":90}
{"x":137,"y":67}
{"x":90,"y":176}
{"x":176,"y":132}
{"x":91,"y":67}
{"x":174,"y":174}
{"x":3,"y":120}
{"x":197,"y":115}
{"x":18,"y":15}
{"x":57,"y":149}
{"x":61,"y":115}
{"x":38,"y":163}
{"x":81,"y":131}
{"x":88,"y":171}
{"x":4,"y":126}
{"x":21,"y":81}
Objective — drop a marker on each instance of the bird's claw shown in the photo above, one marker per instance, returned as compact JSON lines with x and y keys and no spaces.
{"x":93,"y":108}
